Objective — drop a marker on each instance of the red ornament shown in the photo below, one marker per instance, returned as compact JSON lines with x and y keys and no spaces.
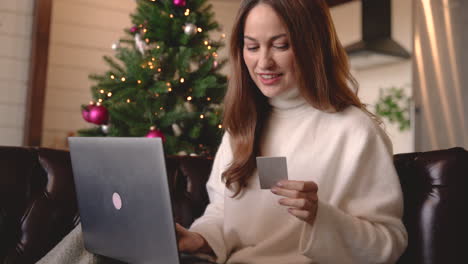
{"x":85,"y":113}
{"x":134,"y":29}
{"x":96,"y":114}
{"x":154,"y":133}
{"x":180,"y":3}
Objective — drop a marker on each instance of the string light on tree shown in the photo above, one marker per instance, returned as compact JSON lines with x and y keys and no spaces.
{"x":115,"y":45}
{"x":190,"y":29}
{"x":123,"y":79}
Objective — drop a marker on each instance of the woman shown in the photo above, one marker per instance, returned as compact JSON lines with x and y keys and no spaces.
{"x":291,"y":94}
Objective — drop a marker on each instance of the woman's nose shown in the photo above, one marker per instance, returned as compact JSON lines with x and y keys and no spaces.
{"x":266,"y":61}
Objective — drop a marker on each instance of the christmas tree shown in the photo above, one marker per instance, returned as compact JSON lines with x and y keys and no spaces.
{"x":164,"y":80}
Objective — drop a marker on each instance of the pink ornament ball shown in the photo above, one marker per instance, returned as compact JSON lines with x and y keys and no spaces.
{"x":134,"y":29}
{"x":156,"y":134}
{"x":180,"y":3}
{"x":85,"y":113}
{"x":96,"y":114}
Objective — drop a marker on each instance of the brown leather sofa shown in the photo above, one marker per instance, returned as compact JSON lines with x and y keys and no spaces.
{"x":38,"y":206}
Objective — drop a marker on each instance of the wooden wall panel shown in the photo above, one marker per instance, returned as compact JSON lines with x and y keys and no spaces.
{"x":82,"y":31}
{"x":15,"y":45}
{"x":15,"y":23}
{"x":12,"y":92}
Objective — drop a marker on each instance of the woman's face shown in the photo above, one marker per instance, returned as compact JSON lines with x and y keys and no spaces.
{"x":267,"y":51}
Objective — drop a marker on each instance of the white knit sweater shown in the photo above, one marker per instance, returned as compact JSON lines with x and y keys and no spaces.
{"x":360,"y":199}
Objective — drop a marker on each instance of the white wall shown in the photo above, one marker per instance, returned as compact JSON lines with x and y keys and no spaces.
{"x":15,"y":53}
{"x":347,"y":19}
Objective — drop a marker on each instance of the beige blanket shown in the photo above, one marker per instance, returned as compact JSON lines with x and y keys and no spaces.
{"x":71,"y":251}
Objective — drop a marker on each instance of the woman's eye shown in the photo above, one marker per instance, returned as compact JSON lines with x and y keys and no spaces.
{"x":252,"y":48}
{"x":281,"y":46}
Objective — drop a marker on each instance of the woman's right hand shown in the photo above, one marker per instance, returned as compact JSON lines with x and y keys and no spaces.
{"x":191,"y":242}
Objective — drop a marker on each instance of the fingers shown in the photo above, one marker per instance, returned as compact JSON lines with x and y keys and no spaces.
{"x":307,"y":216}
{"x":180,"y":228}
{"x":301,"y":204}
{"x":302,"y":186}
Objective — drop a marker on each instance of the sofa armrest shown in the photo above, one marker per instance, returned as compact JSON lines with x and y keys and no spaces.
{"x":41,"y":205}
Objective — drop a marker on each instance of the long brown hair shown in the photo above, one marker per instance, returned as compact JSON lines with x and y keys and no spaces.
{"x":323,"y":75}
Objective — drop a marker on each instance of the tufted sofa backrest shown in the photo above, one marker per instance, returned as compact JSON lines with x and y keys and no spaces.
{"x":38,"y":205}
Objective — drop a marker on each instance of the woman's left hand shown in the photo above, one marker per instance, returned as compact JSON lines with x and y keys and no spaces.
{"x":301,"y":198}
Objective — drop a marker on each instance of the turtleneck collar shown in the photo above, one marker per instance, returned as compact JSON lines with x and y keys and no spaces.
{"x":288,"y":100}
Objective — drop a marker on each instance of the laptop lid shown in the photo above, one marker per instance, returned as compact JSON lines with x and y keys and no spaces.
{"x":123,"y":198}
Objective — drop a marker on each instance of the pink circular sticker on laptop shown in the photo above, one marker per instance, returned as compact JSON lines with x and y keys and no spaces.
{"x":117,"y":201}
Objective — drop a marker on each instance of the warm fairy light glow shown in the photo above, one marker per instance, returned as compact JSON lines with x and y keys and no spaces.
{"x":215,"y":54}
{"x":100,"y":100}
{"x":223,"y":35}
{"x":123,"y":79}
{"x":168,"y":84}
{"x":112,"y":77}
{"x":98,"y":104}
{"x":91,"y":102}
{"x":151,"y":67}
{"x":182,"y":80}
{"x":189,"y":98}
{"x":152,"y":127}
{"x":202,"y":116}
{"x":158,"y":47}
{"x":150,"y":63}
{"x":128,"y":100}
{"x":101,"y":91}
{"x":159,"y":70}
{"x":161,"y":108}
{"x":187,"y":12}
{"x":153,"y":59}
{"x":206,"y":42}
{"x":145,"y":30}
{"x":109,"y":94}
{"x":147,"y":40}
{"x":208,"y":99}
{"x":169,"y":89}
{"x":157,"y":95}
{"x":139,"y":81}
{"x":171,"y":16}
{"x":199,"y":29}
{"x":220,"y":126}
{"x":209,"y":47}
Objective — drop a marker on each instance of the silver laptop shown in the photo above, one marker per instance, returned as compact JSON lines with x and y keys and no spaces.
{"x":124,"y":200}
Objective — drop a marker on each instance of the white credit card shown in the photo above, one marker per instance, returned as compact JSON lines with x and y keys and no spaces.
{"x":271,"y":170}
